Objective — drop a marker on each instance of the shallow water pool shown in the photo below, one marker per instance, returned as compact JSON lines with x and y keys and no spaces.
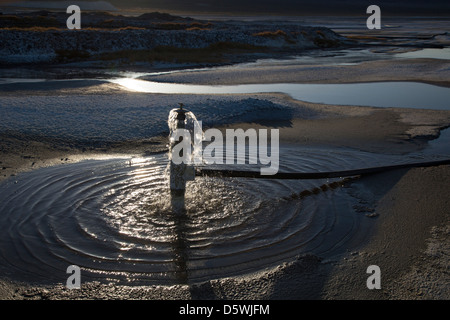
{"x":118,"y":221}
{"x":374,"y":94}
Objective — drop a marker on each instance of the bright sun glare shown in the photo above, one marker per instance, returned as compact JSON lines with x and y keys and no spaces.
{"x":133,"y":84}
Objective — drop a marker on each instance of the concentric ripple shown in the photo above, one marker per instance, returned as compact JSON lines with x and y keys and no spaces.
{"x":118,"y":221}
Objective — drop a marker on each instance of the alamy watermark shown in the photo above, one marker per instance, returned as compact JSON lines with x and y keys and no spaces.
{"x":74,"y":280}
{"x":74,"y":21}
{"x":231,"y":149}
{"x":374,"y":280}
{"x":374,"y":21}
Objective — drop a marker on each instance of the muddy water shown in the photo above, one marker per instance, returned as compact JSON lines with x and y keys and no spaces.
{"x":118,"y":221}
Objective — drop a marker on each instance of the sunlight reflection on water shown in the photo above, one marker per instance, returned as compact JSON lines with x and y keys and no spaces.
{"x":374,"y":94}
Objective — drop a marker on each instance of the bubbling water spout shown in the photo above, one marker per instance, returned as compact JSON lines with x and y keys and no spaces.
{"x":180,"y":172}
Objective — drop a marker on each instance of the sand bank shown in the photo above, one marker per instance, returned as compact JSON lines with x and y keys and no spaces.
{"x":433,"y":71}
{"x":384,"y":130}
{"x":409,"y":244}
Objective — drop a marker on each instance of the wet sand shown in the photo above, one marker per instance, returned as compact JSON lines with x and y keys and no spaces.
{"x":391,"y":130}
{"x":431,"y":71}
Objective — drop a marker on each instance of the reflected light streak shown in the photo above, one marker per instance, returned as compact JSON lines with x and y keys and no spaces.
{"x":398,"y":94}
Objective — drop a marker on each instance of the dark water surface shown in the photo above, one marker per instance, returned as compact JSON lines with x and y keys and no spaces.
{"x":118,"y":221}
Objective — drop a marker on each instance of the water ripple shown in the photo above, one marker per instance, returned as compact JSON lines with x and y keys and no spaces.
{"x":117,"y":220}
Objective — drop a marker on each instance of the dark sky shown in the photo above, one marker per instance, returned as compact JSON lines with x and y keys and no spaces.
{"x":322,"y":7}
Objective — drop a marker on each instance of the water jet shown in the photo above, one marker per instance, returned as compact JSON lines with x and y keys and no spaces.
{"x":180,"y":118}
